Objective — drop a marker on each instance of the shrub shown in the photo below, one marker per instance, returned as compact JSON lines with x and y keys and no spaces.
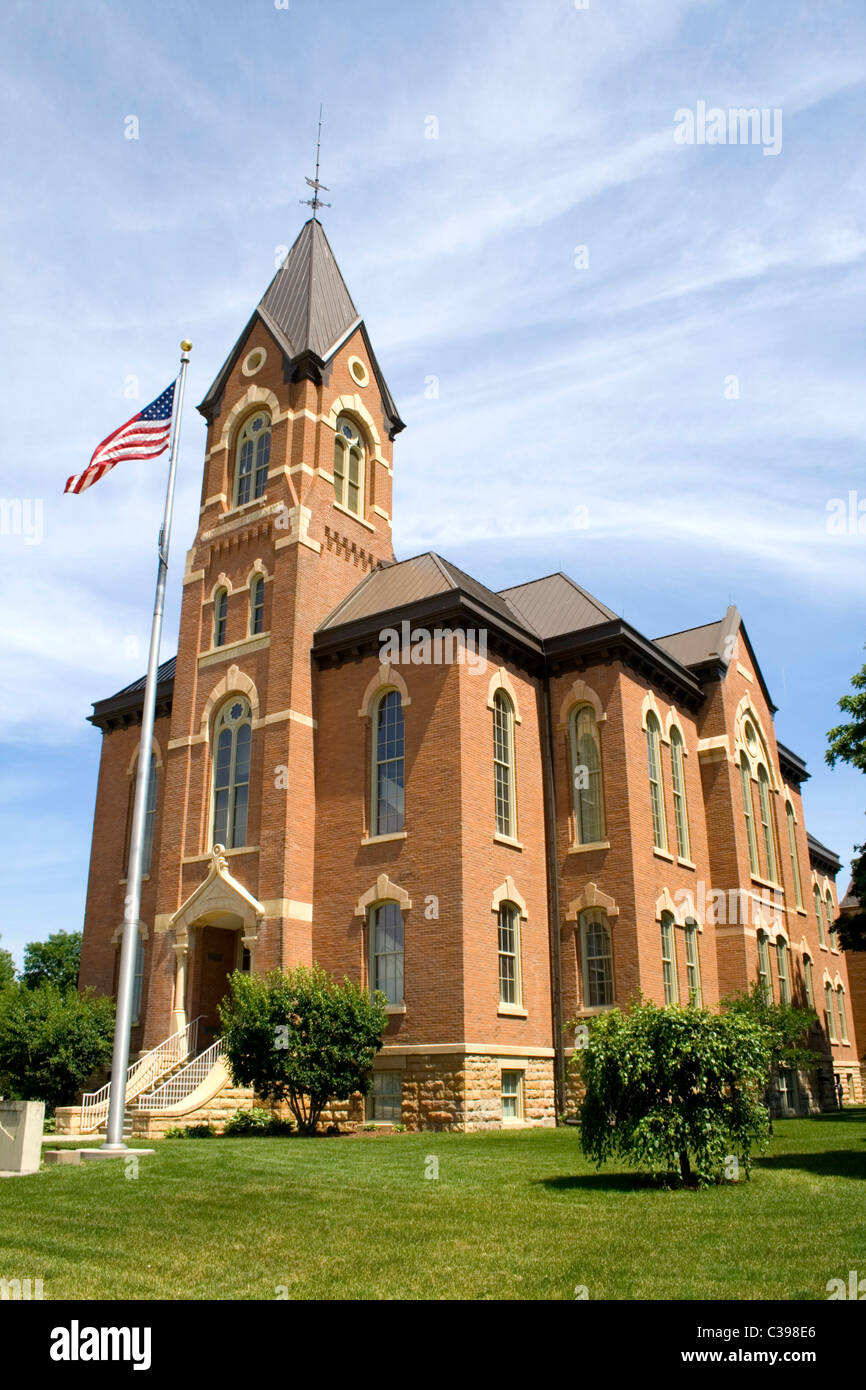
{"x":301,"y":1037}
{"x":674,"y":1087}
{"x":51,"y":1042}
{"x":192,"y":1132}
{"x":257,"y":1121}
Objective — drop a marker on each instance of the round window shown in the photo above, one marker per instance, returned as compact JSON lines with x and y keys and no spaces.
{"x":358,"y":370}
{"x":254,"y":361}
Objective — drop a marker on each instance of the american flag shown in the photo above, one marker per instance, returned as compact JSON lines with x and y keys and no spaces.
{"x":143,"y":437}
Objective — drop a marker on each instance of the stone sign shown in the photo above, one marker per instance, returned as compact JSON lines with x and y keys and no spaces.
{"x":21,"y":1123}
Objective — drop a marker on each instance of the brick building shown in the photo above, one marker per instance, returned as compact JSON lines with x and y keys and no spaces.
{"x":507,"y":810}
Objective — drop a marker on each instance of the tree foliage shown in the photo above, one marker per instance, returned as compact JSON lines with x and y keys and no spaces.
{"x":7,"y":968}
{"x":674,"y":1087}
{"x":786,"y":1026}
{"x":301,"y":1037}
{"x":847,"y":744}
{"x":53,"y":962}
{"x":51,"y":1042}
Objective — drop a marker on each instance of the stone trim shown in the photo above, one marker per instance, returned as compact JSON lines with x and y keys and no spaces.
{"x":383,"y":891}
{"x":590,"y":897}
{"x":500,"y":680}
{"x":387,"y":676}
{"x":508,"y":892}
{"x":240,"y":648}
{"x":579,"y":693}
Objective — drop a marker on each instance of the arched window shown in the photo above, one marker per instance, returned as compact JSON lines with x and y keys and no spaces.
{"x":746,"y":784}
{"x":386,"y":951}
{"x":586,"y":774}
{"x":829,"y":1012}
{"x":830,"y":912}
{"x":764,"y":966}
{"x":137,"y":980}
{"x":510,"y":987}
{"x":782,"y":967}
{"x":669,"y":959}
{"x":388,"y":764}
{"x":257,"y":604}
{"x":252,"y":456}
{"x":657,"y":796}
{"x":503,"y":764}
{"x":767,"y":823}
{"x":149,"y":817}
{"x":678,"y":775}
{"x":819,"y":915}
{"x":808,"y":981}
{"x":232,"y":739}
{"x":596,"y":959}
{"x":349,"y":456}
{"x":840,"y":1010}
{"x":220,"y":616}
{"x":792,"y":850}
{"x":693,"y":964}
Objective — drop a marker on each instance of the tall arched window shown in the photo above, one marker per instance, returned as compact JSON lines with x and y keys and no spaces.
{"x":509,"y":954}
{"x":764,"y":966}
{"x":678,"y":776}
{"x":586,"y":775}
{"x":657,"y":796}
{"x":596,"y":959}
{"x":252,"y":456}
{"x":840,"y":1010}
{"x":669,"y":959}
{"x":829,"y":1011}
{"x":388,"y":764}
{"x":386,"y":951}
{"x":782,"y":968}
{"x":792,"y":850}
{"x":819,"y":915}
{"x":349,"y":456}
{"x":149,"y":817}
{"x":220,"y":617}
{"x":257,"y":604}
{"x":746,"y":785}
{"x":503,"y":764}
{"x":767,"y":822}
{"x":693,"y":964}
{"x":232,"y":740}
{"x":808,"y":981}
{"x":830,"y":912}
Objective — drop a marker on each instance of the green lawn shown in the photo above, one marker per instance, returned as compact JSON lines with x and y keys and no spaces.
{"x":512,"y":1215}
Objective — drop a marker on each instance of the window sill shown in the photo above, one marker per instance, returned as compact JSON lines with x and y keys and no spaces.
{"x":686,"y":863}
{"x":243,"y":508}
{"x":203,"y":858}
{"x":801,"y":912}
{"x":662,"y":854}
{"x":592,"y":1010}
{"x":507,"y":840}
{"x":513,"y":1124}
{"x":383,"y":839}
{"x":587,"y":849}
{"x":512,"y":1011}
{"x":354,"y":515}
{"x":768,"y":883}
{"x":395,"y":1009}
{"x":250,"y":643}
{"x":145,"y":878}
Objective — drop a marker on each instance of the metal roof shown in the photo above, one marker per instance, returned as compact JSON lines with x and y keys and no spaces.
{"x":309,"y":311}
{"x":555,"y":605}
{"x":394,"y":586}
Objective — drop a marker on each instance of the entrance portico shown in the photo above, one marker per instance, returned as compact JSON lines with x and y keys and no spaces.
{"x":215,"y":932}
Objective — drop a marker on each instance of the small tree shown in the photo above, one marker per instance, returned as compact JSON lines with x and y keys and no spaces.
{"x":50,"y":1042}
{"x":786,"y":1027}
{"x":301,"y":1037}
{"x":53,"y":962}
{"x":847,"y":744}
{"x":674,"y":1087}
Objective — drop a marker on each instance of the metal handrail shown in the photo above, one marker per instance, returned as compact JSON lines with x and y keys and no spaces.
{"x":143,"y":1073}
{"x":184,"y":1081}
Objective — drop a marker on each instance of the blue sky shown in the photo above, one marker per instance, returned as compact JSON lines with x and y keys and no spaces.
{"x":561,"y":385}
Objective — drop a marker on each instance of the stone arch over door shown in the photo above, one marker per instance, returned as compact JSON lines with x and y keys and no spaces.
{"x":220,"y":919}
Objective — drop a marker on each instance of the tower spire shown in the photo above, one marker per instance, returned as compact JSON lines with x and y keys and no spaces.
{"x":316,"y":202}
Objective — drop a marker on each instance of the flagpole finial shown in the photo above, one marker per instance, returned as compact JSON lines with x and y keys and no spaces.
{"x":186,"y":345}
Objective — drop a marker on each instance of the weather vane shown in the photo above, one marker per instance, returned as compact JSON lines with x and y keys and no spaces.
{"x":316,"y":202}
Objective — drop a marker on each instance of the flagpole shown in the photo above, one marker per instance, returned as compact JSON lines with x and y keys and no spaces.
{"x":114,"y":1141}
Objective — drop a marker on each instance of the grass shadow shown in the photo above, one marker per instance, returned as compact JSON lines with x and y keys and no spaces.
{"x":601,"y":1182}
{"x":832,"y":1163}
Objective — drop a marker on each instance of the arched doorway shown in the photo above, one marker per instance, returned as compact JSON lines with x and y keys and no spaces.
{"x":217,"y":951}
